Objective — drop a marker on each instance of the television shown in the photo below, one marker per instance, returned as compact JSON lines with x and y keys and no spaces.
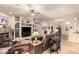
{"x":3,"y":20}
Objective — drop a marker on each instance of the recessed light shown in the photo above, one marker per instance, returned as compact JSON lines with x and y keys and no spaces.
{"x":10,"y":12}
{"x":67,"y":23}
{"x":32,"y":14}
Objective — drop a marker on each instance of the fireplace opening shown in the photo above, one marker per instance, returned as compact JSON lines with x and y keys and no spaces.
{"x":4,"y":40}
{"x":26,"y":31}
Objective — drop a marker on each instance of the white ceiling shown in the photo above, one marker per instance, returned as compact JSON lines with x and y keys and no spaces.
{"x":50,"y":10}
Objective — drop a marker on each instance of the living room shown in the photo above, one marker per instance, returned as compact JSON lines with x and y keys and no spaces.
{"x":30,"y":28}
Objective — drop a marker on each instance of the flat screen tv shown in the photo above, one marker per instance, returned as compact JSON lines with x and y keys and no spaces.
{"x":3,"y":20}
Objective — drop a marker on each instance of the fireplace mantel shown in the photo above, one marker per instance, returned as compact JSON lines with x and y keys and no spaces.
{"x":5,"y":37}
{"x":5,"y":30}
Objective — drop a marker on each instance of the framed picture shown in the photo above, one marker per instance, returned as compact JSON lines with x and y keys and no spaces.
{"x":44,"y":27}
{"x":3,"y":20}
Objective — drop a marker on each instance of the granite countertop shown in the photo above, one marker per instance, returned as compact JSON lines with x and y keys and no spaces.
{"x":35,"y":43}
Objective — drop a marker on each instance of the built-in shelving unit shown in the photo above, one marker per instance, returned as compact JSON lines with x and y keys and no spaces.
{"x":23,"y":26}
{"x":17,"y":27}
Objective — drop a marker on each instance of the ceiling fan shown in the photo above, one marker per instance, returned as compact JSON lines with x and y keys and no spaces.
{"x":34,"y":12}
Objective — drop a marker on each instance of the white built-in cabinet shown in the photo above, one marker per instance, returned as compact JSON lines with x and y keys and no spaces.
{"x":22,"y":22}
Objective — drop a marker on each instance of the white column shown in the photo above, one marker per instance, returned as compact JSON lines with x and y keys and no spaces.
{"x":20,"y":26}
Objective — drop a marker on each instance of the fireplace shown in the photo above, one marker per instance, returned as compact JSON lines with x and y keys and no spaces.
{"x":4,"y":36}
{"x":26,"y":31}
{"x":4,"y":40}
